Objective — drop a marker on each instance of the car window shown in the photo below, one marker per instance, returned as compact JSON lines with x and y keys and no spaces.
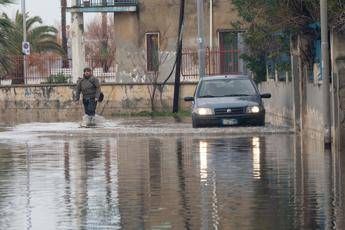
{"x":226,"y":88}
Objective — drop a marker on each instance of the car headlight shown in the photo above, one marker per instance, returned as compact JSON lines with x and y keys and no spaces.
{"x":253,"y":109}
{"x":203,"y":111}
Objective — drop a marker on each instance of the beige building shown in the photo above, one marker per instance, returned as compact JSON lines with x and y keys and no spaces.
{"x":146,"y":33}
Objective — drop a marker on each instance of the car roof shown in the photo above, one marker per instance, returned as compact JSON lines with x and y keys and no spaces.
{"x":217,"y":77}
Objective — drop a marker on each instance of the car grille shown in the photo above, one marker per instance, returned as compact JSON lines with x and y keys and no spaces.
{"x":229,"y":111}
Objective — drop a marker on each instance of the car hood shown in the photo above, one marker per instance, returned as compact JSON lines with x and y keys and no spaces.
{"x":227,"y":102}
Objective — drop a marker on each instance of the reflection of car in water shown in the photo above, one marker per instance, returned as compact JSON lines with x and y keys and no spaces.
{"x":223,"y":154}
{"x":227,"y":100}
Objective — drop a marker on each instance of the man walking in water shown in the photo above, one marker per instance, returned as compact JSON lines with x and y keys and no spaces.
{"x":90,"y":88}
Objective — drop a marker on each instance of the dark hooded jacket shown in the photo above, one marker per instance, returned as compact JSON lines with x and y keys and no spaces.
{"x":89,"y":87}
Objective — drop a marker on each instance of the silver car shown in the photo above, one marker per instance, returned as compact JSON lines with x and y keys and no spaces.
{"x":227,"y":101}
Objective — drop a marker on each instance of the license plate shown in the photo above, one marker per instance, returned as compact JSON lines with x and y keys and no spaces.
{"x":229,"y":122}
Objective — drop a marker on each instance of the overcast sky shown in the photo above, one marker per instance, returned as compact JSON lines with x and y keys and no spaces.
{"x":48,"y":10}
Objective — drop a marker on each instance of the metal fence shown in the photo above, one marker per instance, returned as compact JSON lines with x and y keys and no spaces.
{"x":104,"y":69}
{"x":42,"y":69}
{"x":39,"y":69}
{"x":217,"y":62}
{"x":49,"y":69}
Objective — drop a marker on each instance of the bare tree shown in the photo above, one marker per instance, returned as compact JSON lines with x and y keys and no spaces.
{"x":100,"y":44}
{"x":152,"y":78}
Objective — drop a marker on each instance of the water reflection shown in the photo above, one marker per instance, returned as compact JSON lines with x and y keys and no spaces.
{"x":181,"y":182}
{"x":203,"y":160}
{"x":96,"y":197}
{"x":28,"y":188}
{"x":256,"y":157}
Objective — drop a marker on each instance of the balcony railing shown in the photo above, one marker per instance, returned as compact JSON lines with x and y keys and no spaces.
{"x":103,"y":6}
{"x":217,"y":62}
{"x":104,"y":3}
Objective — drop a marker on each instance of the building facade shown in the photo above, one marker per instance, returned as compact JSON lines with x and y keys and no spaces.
{"x":146,"y":33}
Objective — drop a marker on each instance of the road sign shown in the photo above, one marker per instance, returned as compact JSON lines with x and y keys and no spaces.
{"x":26,"y":48}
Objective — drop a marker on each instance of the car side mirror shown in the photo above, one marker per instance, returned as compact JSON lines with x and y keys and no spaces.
{"x":265,"y":95}
{"x":189,"y":99}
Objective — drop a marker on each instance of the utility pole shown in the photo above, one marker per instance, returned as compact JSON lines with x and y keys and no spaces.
{"x":211,"y":24}
{"x":178,"y":59}
{"x":201,"y":38}
{"x":325,"y":70}
{"x":24,"y":39}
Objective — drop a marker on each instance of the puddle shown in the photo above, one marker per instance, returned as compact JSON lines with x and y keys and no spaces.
{"x":145,"y":173}
{"x":128,"y":126}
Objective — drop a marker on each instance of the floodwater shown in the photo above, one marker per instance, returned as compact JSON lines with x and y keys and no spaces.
{"x":162,"y":174}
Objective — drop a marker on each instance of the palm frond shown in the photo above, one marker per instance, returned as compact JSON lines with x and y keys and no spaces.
{"x":50,"y":46}
{"x":30,"y":22}
{"x":3,"y":2}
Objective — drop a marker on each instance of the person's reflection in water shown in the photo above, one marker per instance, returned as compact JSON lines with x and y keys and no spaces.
{"x":89,"y":151}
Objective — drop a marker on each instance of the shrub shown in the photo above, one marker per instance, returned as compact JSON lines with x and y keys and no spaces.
{"x":59,"y":78}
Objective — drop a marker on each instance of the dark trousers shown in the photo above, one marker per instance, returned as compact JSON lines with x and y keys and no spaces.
{"x":90,"y":106}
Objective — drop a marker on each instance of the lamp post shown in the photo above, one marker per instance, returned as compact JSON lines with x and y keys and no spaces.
{"x":24,"y":39}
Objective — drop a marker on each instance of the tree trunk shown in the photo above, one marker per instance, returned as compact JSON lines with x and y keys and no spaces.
{"x":104,"y":57}
{"x":153,"y":106}
{"x":65,"y":63}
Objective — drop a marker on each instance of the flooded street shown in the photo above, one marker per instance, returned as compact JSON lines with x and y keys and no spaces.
{"x":161,"y":174}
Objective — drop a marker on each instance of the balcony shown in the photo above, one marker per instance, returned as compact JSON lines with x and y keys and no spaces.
{"x":96,"y":6}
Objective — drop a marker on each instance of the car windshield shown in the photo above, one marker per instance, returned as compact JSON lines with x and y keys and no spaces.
{"x":226,"y":88}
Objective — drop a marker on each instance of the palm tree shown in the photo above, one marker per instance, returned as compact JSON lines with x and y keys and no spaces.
{"x":42,"y":39}
{"x":3,"y":2}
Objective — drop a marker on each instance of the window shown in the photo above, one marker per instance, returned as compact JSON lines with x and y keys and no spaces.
{"x":152,"y":51}
{"x":229,"y":51}
{"x":226,"y":87}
